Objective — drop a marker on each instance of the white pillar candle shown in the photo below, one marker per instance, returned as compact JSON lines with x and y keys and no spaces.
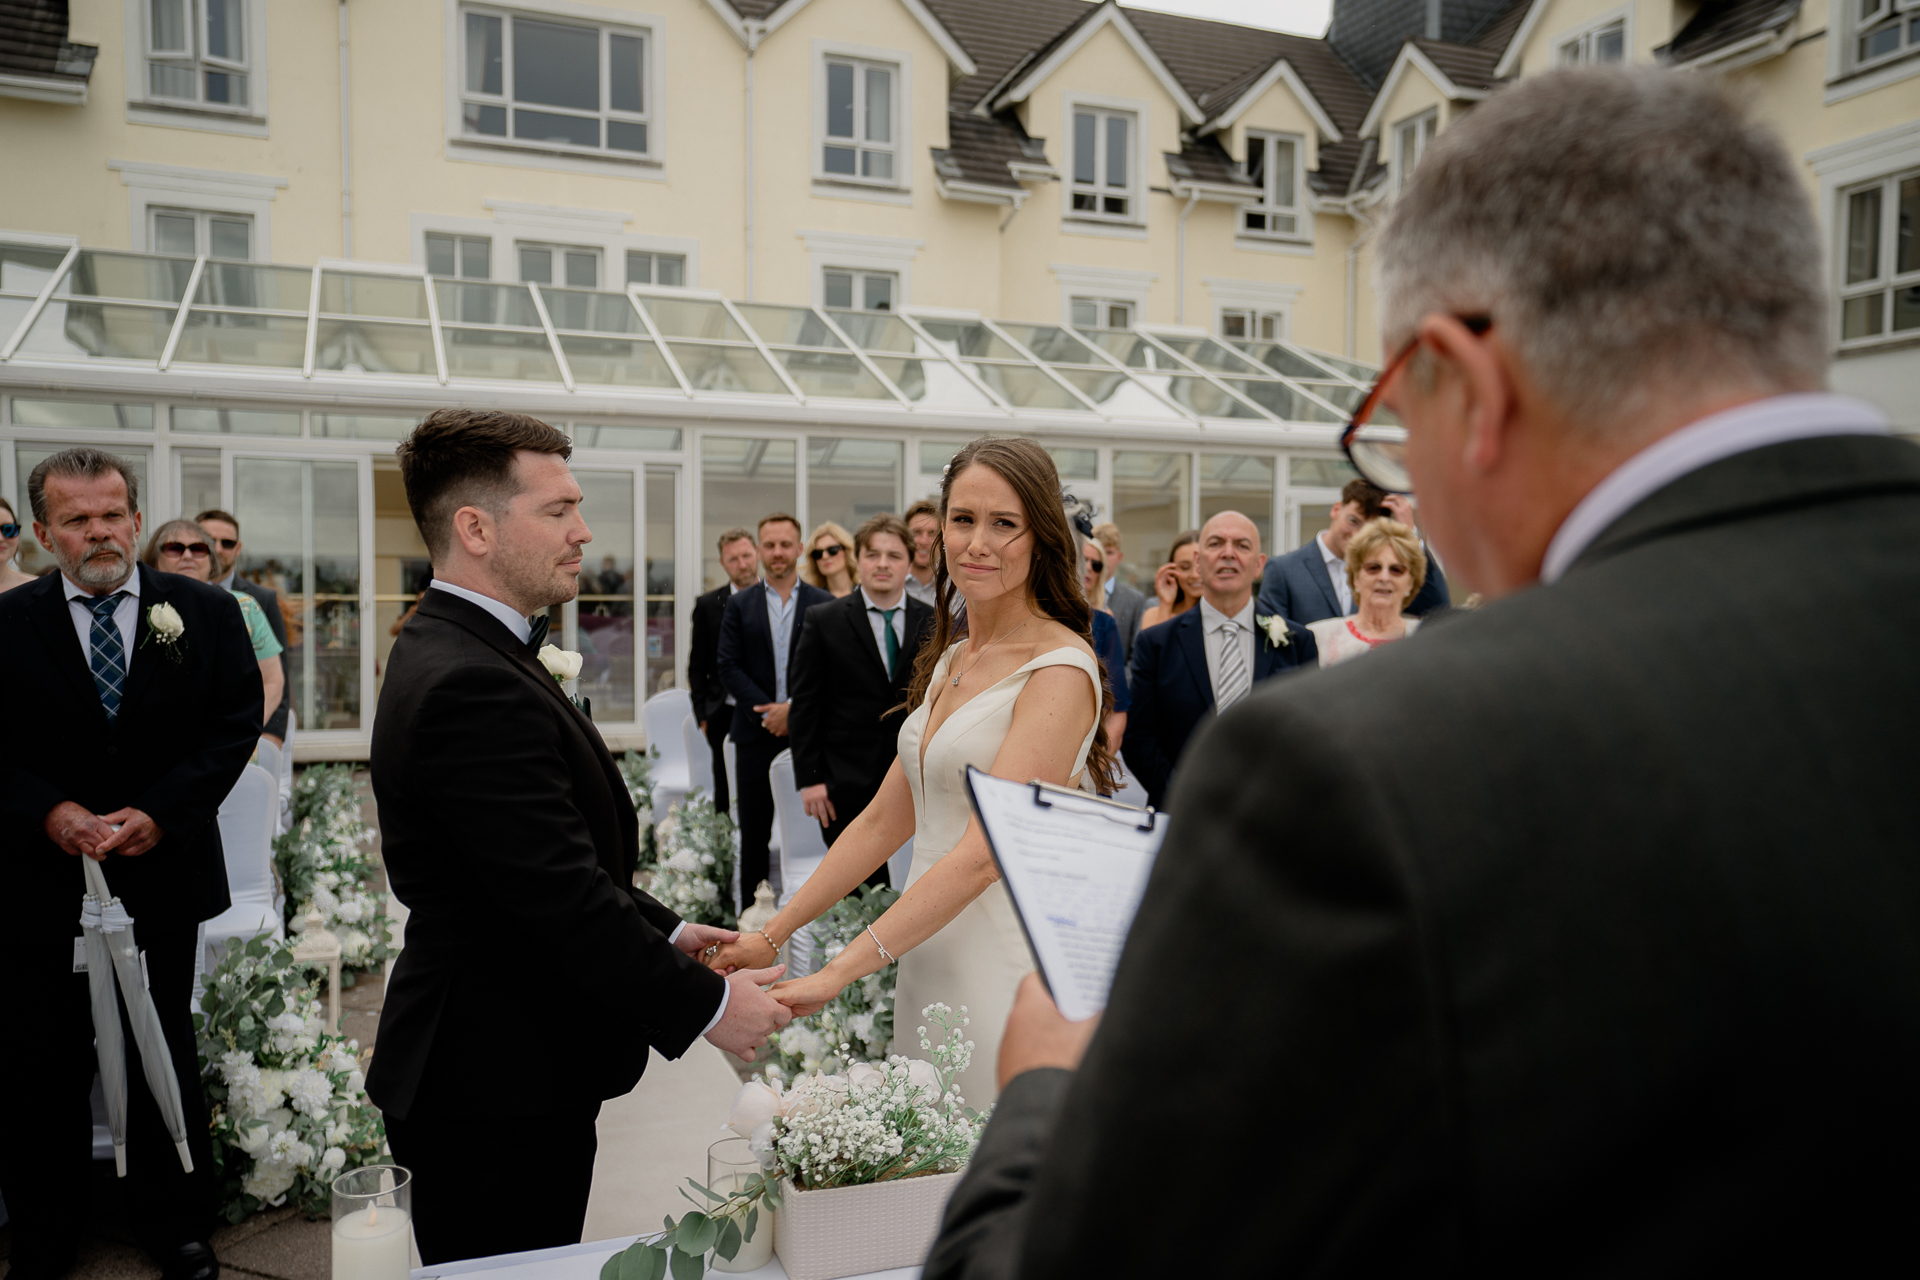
{"x":373,"y":1244}
{"x":757,"y":1252}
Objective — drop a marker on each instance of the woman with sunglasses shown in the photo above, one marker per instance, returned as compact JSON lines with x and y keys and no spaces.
{"x":10,"y":574}
{"x":829,"y":563}
{"x":183,"y":547}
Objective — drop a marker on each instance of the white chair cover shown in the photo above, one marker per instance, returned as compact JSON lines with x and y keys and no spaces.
{"x":802,"y":846}
{"x":900,"y":864}
{"x":1130,"y":792}
{"x":733,"y":779}
{"x":286,"y":774}
{"x":247,"y":821}
{"x":267,"y":756}
{"x":699,"y":756}
{"x":661,"y":716}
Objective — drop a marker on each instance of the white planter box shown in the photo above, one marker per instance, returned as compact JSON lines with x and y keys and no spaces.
{"x":849,"y":1231}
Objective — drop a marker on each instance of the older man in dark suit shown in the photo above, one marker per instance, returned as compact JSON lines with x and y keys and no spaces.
{"x":1583,"y":929}
{"x":127,"y":735}
{"x":712,"y":704}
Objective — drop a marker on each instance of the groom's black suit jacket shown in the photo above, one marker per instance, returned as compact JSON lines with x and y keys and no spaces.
{"x":508,"y":833}
{"x":1577,"y":936}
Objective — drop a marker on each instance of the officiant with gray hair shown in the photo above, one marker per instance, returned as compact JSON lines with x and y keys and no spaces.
{"x":1580,"y":934}
{"x":134,"y":702}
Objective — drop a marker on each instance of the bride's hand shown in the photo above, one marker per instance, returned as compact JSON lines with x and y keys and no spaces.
{"x":806,"y":995}
{"x":749,"y":951}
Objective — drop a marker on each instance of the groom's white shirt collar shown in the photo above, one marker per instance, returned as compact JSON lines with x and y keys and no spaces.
{"x":511,"y":620}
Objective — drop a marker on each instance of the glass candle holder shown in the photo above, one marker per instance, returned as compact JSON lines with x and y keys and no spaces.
{"x":730,"y":1163}
{"x":372,"y":1223}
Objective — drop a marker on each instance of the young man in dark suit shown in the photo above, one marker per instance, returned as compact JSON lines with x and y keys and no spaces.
{"x":1585,"y":924}
{"x":1309,"y":583}
{"x":503,"y":816}
{"x":225,"y":532}
{"x":850,"y":681}
{"x":759,"y":642}
{"x":1208,"y":658}
{"x":127,"y":736}
{"x":712,"y":704}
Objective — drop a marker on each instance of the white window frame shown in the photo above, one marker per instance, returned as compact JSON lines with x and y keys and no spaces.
{"x":556,"y":261}
{"x":165,"y":186}
{"x":1426,"y":126}
{"x":850,"y":185}
{"x":1138,"y":122}
{"x":1887,"y":281}
{"x":146,"y":107}
{"x":1889,"y":13}
{"x":860,"y":276}
{"x":516,"y":223}
{"x":565,"y":156}
{"x":459,"y":254}
{"x":848,"y":250}
{"x":202,"y":229}
{"x":1580,"y":38}
{"x":1255,"y":319}
{"x":1268,"y":204}
{"x":1105,"y":284}
{"x":1253,"y":299}
{"x":1104,"y":311}
{"x":626,"y":267}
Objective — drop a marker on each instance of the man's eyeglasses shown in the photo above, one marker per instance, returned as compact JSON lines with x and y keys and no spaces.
{"x":821,"y":553}
{"x":227,"y":544}
{"x":10,"y":530}
{"x":1378,"y":450}
{"x":186,"y":548}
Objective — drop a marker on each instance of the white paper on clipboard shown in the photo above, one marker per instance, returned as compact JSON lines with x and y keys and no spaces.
{"x":1076,"y":867}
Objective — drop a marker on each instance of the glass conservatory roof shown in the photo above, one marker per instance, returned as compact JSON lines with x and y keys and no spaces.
{"x":336,"y":321}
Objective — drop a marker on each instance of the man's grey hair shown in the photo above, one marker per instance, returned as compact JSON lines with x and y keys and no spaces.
{"x":1632,"y":232}
{"x":80,"y":463}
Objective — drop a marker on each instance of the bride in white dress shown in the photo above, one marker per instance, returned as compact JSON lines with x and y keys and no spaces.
{"x":1021,"y":696}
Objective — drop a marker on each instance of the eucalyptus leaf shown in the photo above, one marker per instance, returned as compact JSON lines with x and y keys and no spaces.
{"x":728,"y":1242}
{"x":709,"y":1194}
{"x":643,"y":1262}
{"x":697,"y":1232}
{"x":753,"y":1220}
{"x":688,"y":1266}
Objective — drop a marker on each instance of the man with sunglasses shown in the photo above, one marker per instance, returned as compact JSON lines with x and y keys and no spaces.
{"x":1580,"y":935}
{"x":224,"y":529}
{"x":1309,"y":583}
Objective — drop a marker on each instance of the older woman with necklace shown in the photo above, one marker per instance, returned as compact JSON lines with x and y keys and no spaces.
{"x":1385,"y":567}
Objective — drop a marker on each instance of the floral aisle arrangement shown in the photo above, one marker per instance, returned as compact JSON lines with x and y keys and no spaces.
{"x":326,"y":860}
{"x":694,"y":874}
{"x":877,"y":1123}
{"x":637,"y":771}
{"x":857,"y":1024}
{"x":289,"y":1111}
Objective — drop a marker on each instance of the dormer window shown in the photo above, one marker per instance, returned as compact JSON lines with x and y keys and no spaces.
{"x":1884,"y":29}
{"x":1102,"y":164}
{"x":1273,"y":166}
{"x":1606,"y":43}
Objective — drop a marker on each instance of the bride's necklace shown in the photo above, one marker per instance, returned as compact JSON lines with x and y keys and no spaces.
{"x":983,"y":652}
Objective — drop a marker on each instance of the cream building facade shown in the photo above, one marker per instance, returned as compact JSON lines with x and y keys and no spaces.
{"x":762,"y":256}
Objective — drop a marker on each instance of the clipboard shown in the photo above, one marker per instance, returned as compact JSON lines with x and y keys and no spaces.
{"x":1076,"y":867}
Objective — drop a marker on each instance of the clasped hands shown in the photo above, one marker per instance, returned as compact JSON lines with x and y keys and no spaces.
{"x":752,"y":1016}
{"x":81,"y":833}
{"x":754,"y":952}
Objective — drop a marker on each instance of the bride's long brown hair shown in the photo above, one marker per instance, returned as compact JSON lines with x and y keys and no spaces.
{"x":1053,"y":580}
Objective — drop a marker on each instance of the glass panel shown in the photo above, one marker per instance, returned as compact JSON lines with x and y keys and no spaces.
{"x":173,"y":233}
{"x":1609,"y":45}
{"x":361,"y":426}
{"x":1085,"y":153}
{"x":30,"y":555}
{"x":476,"y":253}
{"x":1075,"y":463}
{"x":839,"y":100}
{"x":229,"y":238}
{"x":1115,"y":393}
{"x":606,"y":594}
{"x":595,"y":312}
{"x":1365,"y":373}
{"x":12,"y":312}
{"x":935,"y":454}
{"x":1150,"y":506}
{"x":170,"y":82}
{"x":661,"y":558}
{"x":82,"y":413}
{"x":740,"y":481}
{"x":626,"y":73}
{"x":25,"y":268}
{"x":99,"y":329}
{"x":485,"y":304}
{"x":832,"y":373}
{"x":242,"y":337}
{"x":620,"y":362}
{"x":556,"y":65}
{"x":1906,"y":309}
{"x":1863,"y":235}
{"x":483,"y":54}
{"x":240,"y":422}
{"x":970,"y":338}
{"x":589,"y":435}
{"x":197,"y":480}
{"x":876,"y":332}
{"x":222,"y":87}
{"x":879,"y":105}
{"x":1209,"y":354}
{"x":626,"y":135}
{"x":1203,"y":399}
{"x":1906,"y":228}
{"x":837,"y":289}
{"x":1240,"y":482}
{"x":849,"y":480}
{"x":1025,"y":387}
{"x":1282,"y":360}
{"x":169,"y":32}
{"x":839,"y":160}
{"x":583,"y":269}
{"x":933,"y":383}
{"x":231,"y":284}
{"x":1130,"y":349}
{"x":225,"y":36}
{"x":1117,"y":151}
{"x":876,"y":289}
{"x":353,"y":347}
{"x":1053,"y":344}
{"x":480,"y":118}
{"x":727,"y":369}
{"x":1320,"y":473}
{"x":788,"y":326}
{"x":401,"y":570}
{"x":551,"y":126}
{"x":639,"y":267}
{"x":128,"y":275}
{"x":1280,"y":189}
{"x":536,"y":264}
{"x":401,"y":297}
{"x":670,"y":269}
{"x":693,"y":318}
{"x":497,"y":353}
{"x":1282,"y":401}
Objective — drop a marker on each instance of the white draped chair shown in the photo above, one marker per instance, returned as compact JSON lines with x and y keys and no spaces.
{"x":285,"y":817}
{"x":802,"y":846}
{"x":248,"y":817}
{"x":699,"y":756}
{"x":662,"y":716}
{"x":1130,"y":792}
{"x":900,"y":864}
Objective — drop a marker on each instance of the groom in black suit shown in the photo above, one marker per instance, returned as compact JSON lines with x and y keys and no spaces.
{"x":850,"y":688}
{"x":1209,"y":657}
{"x":124,"y":744}
{"x":536,"y":979}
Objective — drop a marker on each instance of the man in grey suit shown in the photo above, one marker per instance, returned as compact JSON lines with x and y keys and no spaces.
{"x":224,"y":529}
{"x":1580,"y":934}
{"x":1125,"y":603}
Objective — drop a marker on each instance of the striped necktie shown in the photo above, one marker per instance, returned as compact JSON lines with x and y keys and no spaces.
{"x":107,"y":653}
{"x":1235,"y":680}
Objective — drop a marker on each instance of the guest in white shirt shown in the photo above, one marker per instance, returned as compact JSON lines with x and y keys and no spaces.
{"x":923,"y":522}
{"x":1384,"y":569}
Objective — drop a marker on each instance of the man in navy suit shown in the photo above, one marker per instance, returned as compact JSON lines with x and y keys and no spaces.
{"x":1310,"y":582}
{"x":1207,"y":658}
{"x":759,"y":639}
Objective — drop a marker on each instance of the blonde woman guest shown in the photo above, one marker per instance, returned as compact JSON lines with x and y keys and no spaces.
{"x":11,"y":575}
{"x":1385,"y":567}
{"x":183,"y":547}
{"x":829,"y":562}
{"x":1177,"y":583}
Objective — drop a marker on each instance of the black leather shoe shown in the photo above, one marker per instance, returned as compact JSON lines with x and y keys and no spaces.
{"x":189,"y":1262}
{"x":40,"y":1268}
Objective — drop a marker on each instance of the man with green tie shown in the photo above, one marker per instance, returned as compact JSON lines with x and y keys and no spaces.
{"x":851,"y":674}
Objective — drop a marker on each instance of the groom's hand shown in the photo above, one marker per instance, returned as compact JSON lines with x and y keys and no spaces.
{"x":694,"y":939}
{"x":1037,"y":1035}
{"x":752,"y":1015}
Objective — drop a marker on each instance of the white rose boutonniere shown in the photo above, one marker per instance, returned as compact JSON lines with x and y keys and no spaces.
{"x":1275,"y":628}
{"x":165,"y":625}
{"x":562,"y":664}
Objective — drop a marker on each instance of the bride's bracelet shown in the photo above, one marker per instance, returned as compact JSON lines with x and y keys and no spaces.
{"x":884,"y":953}
{"x":770,"y":942}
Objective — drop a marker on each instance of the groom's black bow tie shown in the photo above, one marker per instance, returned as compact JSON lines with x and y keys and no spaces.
{"x":538,"y":636}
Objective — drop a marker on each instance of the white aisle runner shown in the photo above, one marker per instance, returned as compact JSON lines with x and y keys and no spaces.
{"x":654,"y":1138}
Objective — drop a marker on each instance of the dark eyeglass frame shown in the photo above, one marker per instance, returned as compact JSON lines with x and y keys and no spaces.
{"x":227,"y":544}
{"x":178,"y":549}
{"x":11,"y":530}
{"x":1391,"y":476}
{"x":821,"y":553}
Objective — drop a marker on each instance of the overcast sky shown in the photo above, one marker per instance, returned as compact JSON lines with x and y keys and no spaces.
{"x":1302,"y":17}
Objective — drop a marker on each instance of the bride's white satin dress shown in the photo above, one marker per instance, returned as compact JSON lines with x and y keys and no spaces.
{"x":980,"y":957}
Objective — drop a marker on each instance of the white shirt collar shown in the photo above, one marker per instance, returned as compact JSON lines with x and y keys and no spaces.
{"x":901,"y":603}
{"x":1109,"y":587}
{"x":227,"y":581}
{"x":1774,"y":420}
{"x":509,"y":618}
{"x":76,"y":592}
{"x":1326,"y":552}
{"x":1211,"y":618}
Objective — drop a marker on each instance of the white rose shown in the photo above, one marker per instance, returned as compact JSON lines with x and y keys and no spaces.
{"x":561,"y":664}
{"x":862,"y":1074}
{"x":921,"y":1074}
{"x":166,"y":623}
{"x":333,"y":1160}
{"x":252,"y":1137}
{"x":756,"y":1103}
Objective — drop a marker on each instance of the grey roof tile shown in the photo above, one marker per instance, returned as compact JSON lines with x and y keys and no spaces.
{"x":1721,"y":23}
{"x":33,"y":42}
